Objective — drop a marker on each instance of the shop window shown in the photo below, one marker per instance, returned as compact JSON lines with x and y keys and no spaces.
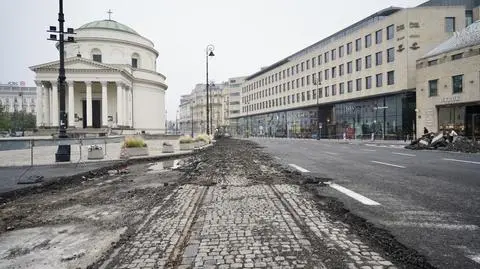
{"x":457,"y":82}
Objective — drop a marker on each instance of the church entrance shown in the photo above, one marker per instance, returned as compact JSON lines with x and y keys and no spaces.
{"x":96,"y":113}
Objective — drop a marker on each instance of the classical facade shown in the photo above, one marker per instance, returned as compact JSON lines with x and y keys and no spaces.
{"x":448,"y":85}
{"x":15,"y":98}
{"x":358,"y":81}
{"x":112,"y":81}
{"x":193,"y":109}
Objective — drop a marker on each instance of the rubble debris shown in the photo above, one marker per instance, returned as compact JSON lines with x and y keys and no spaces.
{"x":33,"y":179}
{"x":446,"y":142}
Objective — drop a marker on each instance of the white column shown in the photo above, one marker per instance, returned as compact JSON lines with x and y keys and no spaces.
{"x":55,"y":108}
{"x":104,"y":103}
{"x":46,"y":106}
{"x":119,"y":104}
{"x":89,"y":103}
{"x":130,"y":107}
{"x":125,"y":105}
{"x":71,"y":104}
{"x":38,"y":105}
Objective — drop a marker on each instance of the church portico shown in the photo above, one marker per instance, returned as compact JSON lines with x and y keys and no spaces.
{"x":111,"y":82}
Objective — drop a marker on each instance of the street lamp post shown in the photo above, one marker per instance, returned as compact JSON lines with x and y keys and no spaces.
{"x":63,"y":151}
{"x":191,"y":109}
{"x":208,"y":52}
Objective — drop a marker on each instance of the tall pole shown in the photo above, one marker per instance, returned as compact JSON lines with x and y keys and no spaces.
{"x":208,"y":52}
{"x":208,"y":109}
{"x":191,"y":109}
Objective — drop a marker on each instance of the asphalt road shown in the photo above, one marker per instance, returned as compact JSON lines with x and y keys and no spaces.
{"x":429,"y":200}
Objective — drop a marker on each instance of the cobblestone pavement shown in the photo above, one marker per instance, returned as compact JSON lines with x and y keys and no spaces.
{"x":231,"y":215}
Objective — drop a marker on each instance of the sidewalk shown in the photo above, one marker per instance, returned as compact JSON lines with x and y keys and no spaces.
{"x":10,"y":176}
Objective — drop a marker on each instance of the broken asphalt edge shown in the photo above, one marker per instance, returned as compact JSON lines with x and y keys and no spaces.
{"x":94,"y":172}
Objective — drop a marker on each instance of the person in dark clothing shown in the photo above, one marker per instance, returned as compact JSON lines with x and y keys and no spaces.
{"x":425,"y":130}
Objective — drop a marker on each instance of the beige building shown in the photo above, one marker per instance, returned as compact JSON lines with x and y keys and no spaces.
{"x":448,"y":85}
{"x":193,"y":109}
{"x":232,"y":104}
{"x":358,"y":81}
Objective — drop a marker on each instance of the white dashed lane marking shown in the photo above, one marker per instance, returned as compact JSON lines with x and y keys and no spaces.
{"x":404,"y":154}
{"x":461,"y":161}
{"x":370,"y":150}
{"x":303,"y":170}
{"x":362,"y":199}
{"x":389,"y":164}
{"x":331,"y":153}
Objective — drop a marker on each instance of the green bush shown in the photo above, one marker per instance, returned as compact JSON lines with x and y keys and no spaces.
{"x":134,"y":142}
{"x":203,"y":137}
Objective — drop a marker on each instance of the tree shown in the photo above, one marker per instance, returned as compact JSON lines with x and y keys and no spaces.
{"x":4,"y":119}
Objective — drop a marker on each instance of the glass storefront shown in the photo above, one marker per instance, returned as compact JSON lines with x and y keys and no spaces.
{"x":464,"y":119}
{"x":388,"y":117}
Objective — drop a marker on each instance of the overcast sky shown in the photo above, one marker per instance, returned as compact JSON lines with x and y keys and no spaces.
{"x":247,"y":34}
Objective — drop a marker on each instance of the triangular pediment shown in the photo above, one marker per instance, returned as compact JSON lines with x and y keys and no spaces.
{"x":74,"y":63}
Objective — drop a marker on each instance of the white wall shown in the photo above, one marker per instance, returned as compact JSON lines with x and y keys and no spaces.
{"x":148,"y":107}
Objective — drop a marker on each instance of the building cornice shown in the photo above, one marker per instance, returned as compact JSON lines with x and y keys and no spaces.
{"x":115,"y":40}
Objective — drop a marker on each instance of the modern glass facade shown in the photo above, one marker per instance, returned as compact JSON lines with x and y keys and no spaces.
{"x":388,"y":117}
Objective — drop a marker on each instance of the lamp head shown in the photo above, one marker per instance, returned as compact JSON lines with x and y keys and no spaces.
{"x":211,"y":53}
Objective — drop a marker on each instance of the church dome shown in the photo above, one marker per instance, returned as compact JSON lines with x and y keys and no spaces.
{"x":469,"y":36}
{"x":110,"y":25}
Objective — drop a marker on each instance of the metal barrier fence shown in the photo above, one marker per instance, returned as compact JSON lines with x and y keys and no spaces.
{"x":11,"y":148}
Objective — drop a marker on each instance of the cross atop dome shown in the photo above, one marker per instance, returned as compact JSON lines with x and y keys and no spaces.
{"x":109,"y":14}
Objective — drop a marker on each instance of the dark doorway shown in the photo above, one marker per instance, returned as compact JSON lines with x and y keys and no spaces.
{"x":96,"y":112}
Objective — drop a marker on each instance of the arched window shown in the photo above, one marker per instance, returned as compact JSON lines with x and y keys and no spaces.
{"x":97,"y":55}
{"x":135,"y":60}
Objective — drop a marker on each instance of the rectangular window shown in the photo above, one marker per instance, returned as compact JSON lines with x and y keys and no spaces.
{"x":298,"y":97}
{"x":326,"y":56}
{"x":314,"y":94}
{"x":308,"y":95}
{"x":314,"y":78}
{"x":283,"y":73}
{"x":368,"y":61}
{"x":134,"y":63}
{"x":457,"y":82}
{"x":327,"y":91}
{"x":341,"y":70}
{"x":97,"y":58}
{"x":320,"y":76}
{"x":320,"y":93}
{"x":284,"y":100}
{"x":293,"y":98}
{"x":432,"y":62}
{"x":457,"y":56}
{"x":350,"y":86}
{"x":390,"y":55}
{"x":303,"y":81}
{"x":358,"y":44}
{"x":334,"y":72}
{"x":349,"y":48}
{"x":308,"y":80}
{"x":450,"y":24}
{"x":349,"y":67}
{"x":313,"y":62}
{"x":303,"y":96}
{"x":302,"y":66}
{"x":296,"y":69}
{"x":308,"y":64}
{"x":368,"y":40}
{"x":433,"y":87}
{"x":319,"y":59}
{"x":358,"y":64}
{"x":468,"y":17}
{"x":390,"y":78}
{"x":379,"y":36}
{"x":378,"y":58}
{"x":288,"y":99}
{"x":359,"y":84}
{"x":390,"y":32}
{"x":341,"y":87}
{"x":368,"y":82}
{"x":334,"y":89}
{"x":379,"y":80}
{"x":334,"y":54}
{"x":298,"y":83}
{"x":327,"y":72}
{"x":340,"y":51}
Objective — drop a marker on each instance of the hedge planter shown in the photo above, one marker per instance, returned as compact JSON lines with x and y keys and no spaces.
{"x":95,"y":154}
{"x":132,"y":152}
{"x":186,"y":146}
{"x":167,"y":149}
{"x":199,"y":144}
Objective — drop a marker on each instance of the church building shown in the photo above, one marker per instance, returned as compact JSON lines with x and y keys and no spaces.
{"x":111,"y":81}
